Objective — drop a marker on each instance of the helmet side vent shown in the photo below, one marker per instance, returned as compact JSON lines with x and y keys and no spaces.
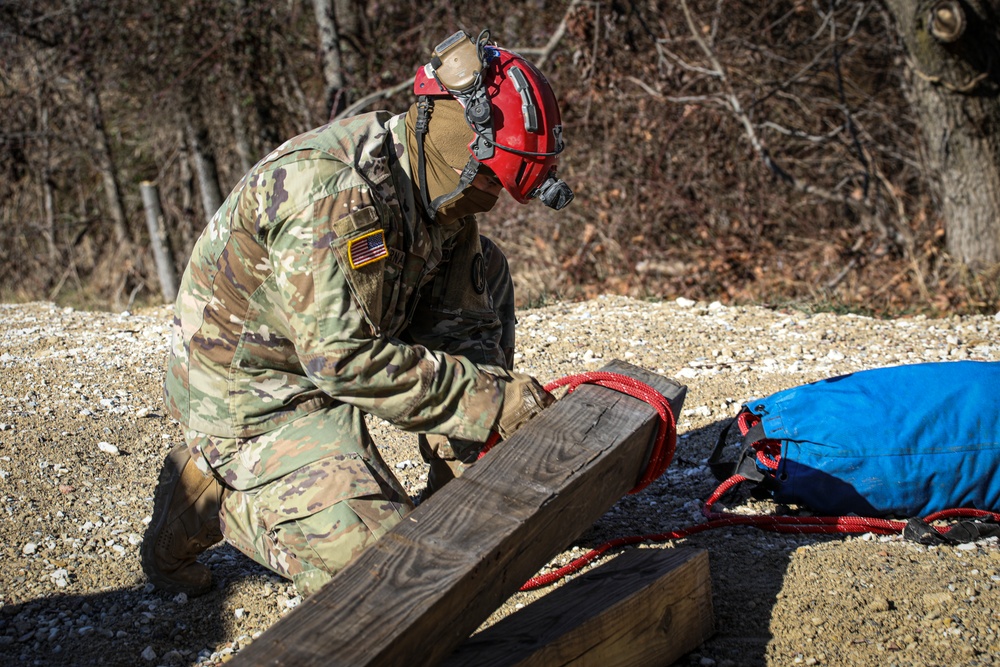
{"x":520,"y":172}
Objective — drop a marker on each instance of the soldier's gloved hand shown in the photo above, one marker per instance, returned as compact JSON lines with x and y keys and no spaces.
{"x":523,"y":398}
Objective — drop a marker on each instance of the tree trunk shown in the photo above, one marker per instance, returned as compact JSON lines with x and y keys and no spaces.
{"x":48,"y":197}
{"x":159,"y":242}
{"x":351,"y":24}
{"x":953,"y":81}
{"x":204,"y":163}
{"x":329,"y":44}
{"x":243,"y":149}
{"x":188,"y":214}
{"x":252,"y":53}
{"x":106,"y":164}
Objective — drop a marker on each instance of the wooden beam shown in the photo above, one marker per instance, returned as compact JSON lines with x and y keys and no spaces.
{"x":647,"y":607}
{"x":417,"y":593}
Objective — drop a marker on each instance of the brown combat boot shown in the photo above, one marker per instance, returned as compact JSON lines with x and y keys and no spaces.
{"x":185,"y":522}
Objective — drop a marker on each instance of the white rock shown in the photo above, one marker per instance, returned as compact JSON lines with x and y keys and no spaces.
{"x":180,"y":598}
{"x":108,"y":447}
{"x":59,"y":577}
{"x":687,"y":303}
{"x":239,"y":613}
{"x":148,"y":654}
{"x":29,"y":548}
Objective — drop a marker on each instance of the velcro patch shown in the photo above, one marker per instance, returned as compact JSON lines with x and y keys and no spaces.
{"x":367,"y":249}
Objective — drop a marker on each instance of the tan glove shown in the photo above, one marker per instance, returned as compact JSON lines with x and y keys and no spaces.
{"x":523,"y":398}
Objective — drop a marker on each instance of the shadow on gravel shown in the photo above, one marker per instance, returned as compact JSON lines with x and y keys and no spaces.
{"x":748,"y":565}
{"x":127,"y":627}
{"x":142,"y":626}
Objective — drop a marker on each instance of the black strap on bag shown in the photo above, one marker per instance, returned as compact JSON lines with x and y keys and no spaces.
{"x":746,"y":463}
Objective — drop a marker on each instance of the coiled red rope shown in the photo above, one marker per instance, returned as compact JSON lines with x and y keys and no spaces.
{"x":768,"y":455}
{"x":666,"y":435}
{"x":659,"y":459}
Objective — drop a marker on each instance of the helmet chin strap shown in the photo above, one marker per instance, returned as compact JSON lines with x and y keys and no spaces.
{"x":464,"y":181}
{"x":425,"y":106}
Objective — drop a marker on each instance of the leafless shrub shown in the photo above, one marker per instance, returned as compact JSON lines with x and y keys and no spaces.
{"x":739,"y":150}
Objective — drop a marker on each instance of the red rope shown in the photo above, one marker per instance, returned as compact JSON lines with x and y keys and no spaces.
{"x":768,"y":454}
{"x":666,"y":436}
{"x":803,"y":525}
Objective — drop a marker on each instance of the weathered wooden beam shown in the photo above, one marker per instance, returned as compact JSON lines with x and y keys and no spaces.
{"x":645,"y":608}
{"x":423,"y":588}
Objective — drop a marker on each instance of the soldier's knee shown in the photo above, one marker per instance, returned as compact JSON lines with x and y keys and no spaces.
{"x":311,"y":549}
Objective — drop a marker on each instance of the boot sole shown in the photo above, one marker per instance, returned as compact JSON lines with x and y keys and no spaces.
{"x":169,"y":474}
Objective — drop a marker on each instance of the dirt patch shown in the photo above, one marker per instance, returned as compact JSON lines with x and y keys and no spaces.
{"x":82,"y":435}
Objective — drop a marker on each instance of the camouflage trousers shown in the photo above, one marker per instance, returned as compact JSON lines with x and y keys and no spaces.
{"x":308,"y":497}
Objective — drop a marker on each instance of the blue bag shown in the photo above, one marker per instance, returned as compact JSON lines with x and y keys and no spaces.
{"x":902,"y":441}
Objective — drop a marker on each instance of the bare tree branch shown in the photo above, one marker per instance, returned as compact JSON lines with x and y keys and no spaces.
{"x":750,"y":131}
{"x":374,"y":97}
{"x":556,"y":36}
{"x":799,"y":134}
{"x":645,"y":86}
{"x":543,"y":56}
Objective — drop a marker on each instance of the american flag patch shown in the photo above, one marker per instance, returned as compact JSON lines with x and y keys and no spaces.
{"x":367,"y":249}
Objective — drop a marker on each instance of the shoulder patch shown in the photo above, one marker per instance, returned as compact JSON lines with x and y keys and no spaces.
{"x":367,"y":249}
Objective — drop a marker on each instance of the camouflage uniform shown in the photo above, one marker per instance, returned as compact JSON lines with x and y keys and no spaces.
{"x":317,"y":294}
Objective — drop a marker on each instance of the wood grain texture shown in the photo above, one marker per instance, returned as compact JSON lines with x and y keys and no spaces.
{"x":421,"y":590}
{"x":646,"y":607}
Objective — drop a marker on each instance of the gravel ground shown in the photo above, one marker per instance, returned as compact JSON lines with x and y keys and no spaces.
{"x":83,"y":432}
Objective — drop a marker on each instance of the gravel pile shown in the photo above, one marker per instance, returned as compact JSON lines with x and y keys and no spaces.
{"x":83,"y":433}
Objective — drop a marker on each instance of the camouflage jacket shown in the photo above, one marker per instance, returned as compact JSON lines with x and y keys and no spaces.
{"x":317,"y":281}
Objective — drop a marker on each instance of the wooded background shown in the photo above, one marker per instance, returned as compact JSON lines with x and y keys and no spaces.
{"x":824,"y":153}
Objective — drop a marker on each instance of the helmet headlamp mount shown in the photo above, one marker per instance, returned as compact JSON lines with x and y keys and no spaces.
{"x":554,"y":192}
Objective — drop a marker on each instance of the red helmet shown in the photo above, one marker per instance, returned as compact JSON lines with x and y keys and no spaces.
{"x":511,"y":109}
